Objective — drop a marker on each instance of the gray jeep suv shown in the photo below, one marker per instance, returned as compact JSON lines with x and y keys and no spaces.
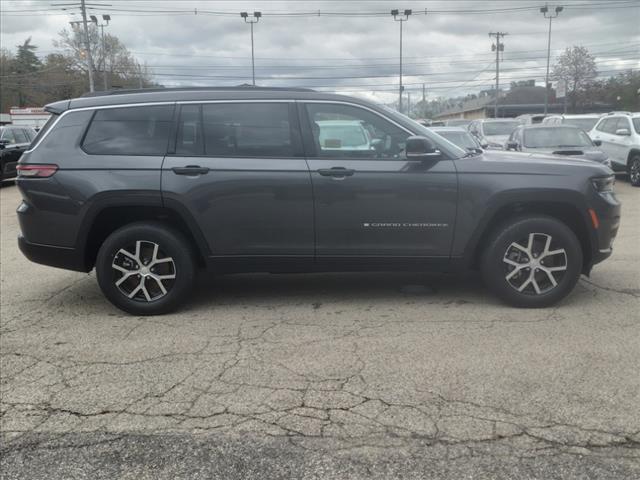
{"x":148,"y":186}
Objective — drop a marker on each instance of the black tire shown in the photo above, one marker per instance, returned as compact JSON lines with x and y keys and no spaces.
{"x":172,"y":245}
{"x":634,"y":170}
{"x":500,"y":249}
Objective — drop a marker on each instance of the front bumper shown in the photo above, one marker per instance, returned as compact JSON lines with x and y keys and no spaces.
{"x":60,"y":257}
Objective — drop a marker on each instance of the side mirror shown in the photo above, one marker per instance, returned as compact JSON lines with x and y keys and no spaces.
{"x":420,"y":149}
{"x":597,"y":143}
{"x":623,"y":132}
{"x":512,"y":145}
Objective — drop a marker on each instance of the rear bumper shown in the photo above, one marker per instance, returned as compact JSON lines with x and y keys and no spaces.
{"x":60,"y":257}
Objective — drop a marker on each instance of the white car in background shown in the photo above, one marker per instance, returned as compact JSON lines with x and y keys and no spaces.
{"x":584,"y":121}
{"x":619,"y":134}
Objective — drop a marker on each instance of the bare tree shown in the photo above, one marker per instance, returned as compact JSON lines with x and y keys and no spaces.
{"x":577,"y":67}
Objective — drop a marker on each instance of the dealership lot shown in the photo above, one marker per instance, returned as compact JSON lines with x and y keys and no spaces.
{"x":321,"y":376}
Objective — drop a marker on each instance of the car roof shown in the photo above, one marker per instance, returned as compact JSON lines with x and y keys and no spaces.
{"x":171,"y":95}
{"x":448,"y":129}
{"x":540,"y":126}
{"x":339,"y":122}
{"x":499,"y":120}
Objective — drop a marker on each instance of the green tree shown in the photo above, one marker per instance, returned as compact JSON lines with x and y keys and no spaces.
{"x":577,"y":67}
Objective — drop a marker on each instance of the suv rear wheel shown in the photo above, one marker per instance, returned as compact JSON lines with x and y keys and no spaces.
{"x":145,"y":268}
{"x":532,"y":262}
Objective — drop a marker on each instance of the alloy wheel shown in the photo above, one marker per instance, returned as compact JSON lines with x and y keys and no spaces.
{"x":143,"y":272}
{"x":533,"y":266}
{"x":634,"y":171}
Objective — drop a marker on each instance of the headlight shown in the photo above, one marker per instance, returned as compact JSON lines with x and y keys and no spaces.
{"x":604,"y":184}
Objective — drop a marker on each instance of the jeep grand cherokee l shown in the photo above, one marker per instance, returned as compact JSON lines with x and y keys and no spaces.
{"x":146,"y":187}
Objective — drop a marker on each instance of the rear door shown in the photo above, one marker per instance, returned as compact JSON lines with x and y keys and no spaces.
{"x":238,"y":169}
{"x":370,"y":202}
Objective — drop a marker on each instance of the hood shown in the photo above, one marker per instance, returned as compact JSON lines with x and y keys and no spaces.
{"x":587,"y":152}
{"x":536,"y":162}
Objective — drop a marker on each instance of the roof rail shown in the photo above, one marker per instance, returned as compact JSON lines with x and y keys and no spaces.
{"x":619,"y":113}
{"x":123,"y":91}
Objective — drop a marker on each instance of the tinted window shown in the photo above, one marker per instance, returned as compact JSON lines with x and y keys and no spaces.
{"x":247,"y":129}
{"x":555,"y":137}
{"x":20,"y":136}
{"x":129,"y":131}
{"x":342,"y":131}
{"x":499,"y":128}
{"x":636,"y":124}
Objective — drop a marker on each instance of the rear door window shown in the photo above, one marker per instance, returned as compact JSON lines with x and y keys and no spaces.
{"x":247,"y":130}
{"x":129,"y":131}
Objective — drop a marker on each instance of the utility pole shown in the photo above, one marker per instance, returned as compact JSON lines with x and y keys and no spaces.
{"x":257,"y":16}
{"x":106,"y":19}
{"x":408,"y":104}
{"x":87,"y":45}
{"x":424,"y":93}
{"x":497,"y":47}
{"x":545,"y":12}
{"x":399,"y":18}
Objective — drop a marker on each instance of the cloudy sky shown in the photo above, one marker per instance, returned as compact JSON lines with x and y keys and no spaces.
{"x":351,"y":47}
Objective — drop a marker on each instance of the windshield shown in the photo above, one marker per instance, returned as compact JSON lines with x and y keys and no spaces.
{"x":555,"y":137}
{"x":461,"y":139}
{"x":585,"y":124}
{"x":636,"y":124}
{"x":499,"y":128}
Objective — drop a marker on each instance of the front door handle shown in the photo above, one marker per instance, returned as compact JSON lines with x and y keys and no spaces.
{"x":336,"y":172}
{"x":190,"y":170}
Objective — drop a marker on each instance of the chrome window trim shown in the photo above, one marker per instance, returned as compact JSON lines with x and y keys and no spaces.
{"x":192,"y":102}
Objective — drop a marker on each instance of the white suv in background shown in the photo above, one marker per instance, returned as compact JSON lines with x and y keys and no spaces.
{"x":619,"y":133}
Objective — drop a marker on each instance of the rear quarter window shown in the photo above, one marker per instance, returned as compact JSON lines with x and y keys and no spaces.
{"x":129,"y":131}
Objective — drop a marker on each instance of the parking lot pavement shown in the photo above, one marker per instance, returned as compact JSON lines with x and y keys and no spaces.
{"x":321,"y":376}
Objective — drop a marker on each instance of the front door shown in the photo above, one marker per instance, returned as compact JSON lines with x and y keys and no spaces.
{"x":239,"y":170}
{"x":369,"y":200}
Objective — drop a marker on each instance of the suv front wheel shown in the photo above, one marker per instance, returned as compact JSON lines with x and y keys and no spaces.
{"x":532,"y":262}
{"x":145,"y":268}
{"x":634,"y":170}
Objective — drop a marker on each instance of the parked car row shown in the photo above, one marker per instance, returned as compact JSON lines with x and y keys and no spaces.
{"x":611,"y":139}
{"x":14,"y":140}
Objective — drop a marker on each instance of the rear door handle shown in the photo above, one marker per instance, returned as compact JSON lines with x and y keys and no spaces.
{"x":190,"y":170}
{"x":336,"y":172}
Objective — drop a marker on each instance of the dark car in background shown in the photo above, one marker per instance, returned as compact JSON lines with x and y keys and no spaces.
{"x":14,"y":140}
{"x":460,"y":137}
{"x":149,"y":186}
{"x":492,"y":133}
{"x":557,"y":140}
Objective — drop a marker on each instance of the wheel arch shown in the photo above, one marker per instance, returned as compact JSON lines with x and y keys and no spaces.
{"x":632,"y":153}
{"x":106,"y":217}
{"x":567,"y":210}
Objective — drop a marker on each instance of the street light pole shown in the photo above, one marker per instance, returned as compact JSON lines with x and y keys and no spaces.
{"x":545,"y":12}
{"x":246,"y":18}
{"x":106,"y":19}
{"x":399,"y":18}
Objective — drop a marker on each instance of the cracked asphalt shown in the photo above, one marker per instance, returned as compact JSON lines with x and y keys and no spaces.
{"x":320,"y":376}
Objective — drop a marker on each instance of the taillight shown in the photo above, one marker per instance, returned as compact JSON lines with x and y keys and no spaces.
{"x":39,"y":171}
